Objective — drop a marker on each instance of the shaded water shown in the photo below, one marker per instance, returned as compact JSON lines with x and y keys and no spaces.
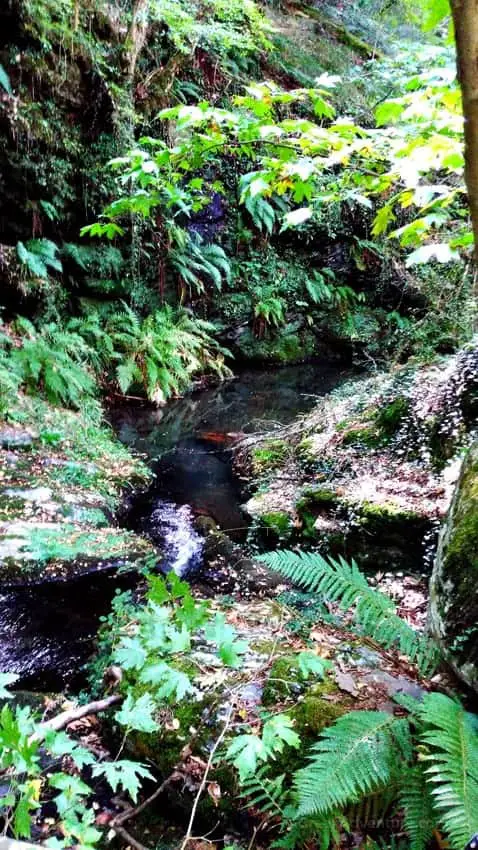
{"x":187,"y":441}
{"x":47,"y":632}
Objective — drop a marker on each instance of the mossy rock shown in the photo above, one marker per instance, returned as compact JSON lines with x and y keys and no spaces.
{"x":183,"y":724}
{"x":35,"y":552}
{"x":453,"y":611}
{"x":362,"y":435}
{"x":312,"y":707}
{"x":271,"y":455}
{"x":390,"y":417}
{"x":285,"y":347}
{"x":283,"y":682}
{"x":272,"y":528}
{"x":320,"y":707}
{"x":313,"y":502}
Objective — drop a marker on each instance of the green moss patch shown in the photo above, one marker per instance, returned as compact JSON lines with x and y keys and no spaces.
{"x":270,"y":456}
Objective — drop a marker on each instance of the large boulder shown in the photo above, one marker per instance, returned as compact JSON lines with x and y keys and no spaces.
{"x":453,"y":612}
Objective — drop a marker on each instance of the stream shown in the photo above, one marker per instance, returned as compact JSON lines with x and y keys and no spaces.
{"x":47,"y":632}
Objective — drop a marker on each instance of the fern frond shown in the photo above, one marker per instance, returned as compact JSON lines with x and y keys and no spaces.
{"x":343,"y":582}
{"x":451,"y":734}
{"x":320,"y":831}
{"x":419,"y":816}
{"x":352,"y":758}
{"x":265,"y":793}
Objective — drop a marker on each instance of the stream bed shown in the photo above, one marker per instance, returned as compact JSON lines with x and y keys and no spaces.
{"x":47,"y":631}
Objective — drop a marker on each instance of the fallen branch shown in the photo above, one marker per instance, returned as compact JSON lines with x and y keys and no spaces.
{"x":131,"y":813}
{"x":62,"y":720}
{"x":128,"y":838}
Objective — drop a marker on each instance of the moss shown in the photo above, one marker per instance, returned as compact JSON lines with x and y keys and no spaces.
{"x":11,"y":507}
{"x":318,"y":709}
{"x":362,"y":435}
{"x":270,"y":456}
{"x":378,"y":516}
{"x":283,"y":682}
{"x":283,"y":348}
{"x":454,"y":584}
{"x":277,"y":522}
{"x":317,"y":496}
{"x":461,"y":557}
{"x":182,"y":724}
{"x":312,"y":502}
{"x":320,"y":706}
{"x":390,"y":417}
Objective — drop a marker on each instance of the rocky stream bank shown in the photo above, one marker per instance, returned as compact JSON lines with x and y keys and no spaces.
{"x":366,"y":471}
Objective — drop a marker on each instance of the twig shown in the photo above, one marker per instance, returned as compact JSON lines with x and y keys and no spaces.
{"x":202,"y":786}
{"x":62,"y":720}
{"x":131,"y":813}
{"x":122,"y":832}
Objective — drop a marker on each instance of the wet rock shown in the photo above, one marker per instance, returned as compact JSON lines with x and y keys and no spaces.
{"x":36,"y":552}
{"x":453,"y":609}
{"x":39,"y":495}
{"x":228,"y":568}
{"x":16,"y":438}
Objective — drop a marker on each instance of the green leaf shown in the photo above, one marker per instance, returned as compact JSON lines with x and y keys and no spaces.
{"x":312,"y":664}
{"x":60,"y":744}
{"x":435,"y":11}
{"x":124,"y":773}
{"x":279,"y":731}
{"x":244,"y":752}
{"x":389,"y":112}
{"x":382,"y":220}
{"x":174,"y":684}
{"x":22,"y":819}
{"x":222,"y":634}
{"x":130,"y":654}
{"x":138,"y":714}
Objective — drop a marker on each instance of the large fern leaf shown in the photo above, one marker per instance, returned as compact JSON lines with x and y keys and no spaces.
{"x":353,"y":758}
{"x":451,"y":733}
{"x":343,"y":582}
{"x":419,"y":815}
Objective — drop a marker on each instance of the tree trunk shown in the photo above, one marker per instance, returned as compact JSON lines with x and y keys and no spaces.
{"x":465,"y":19}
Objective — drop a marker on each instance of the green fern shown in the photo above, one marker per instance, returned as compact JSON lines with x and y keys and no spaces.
{"x":451,"y":734}
{"x":9,"y":378}
{"x":163,"y":352}
{"x":352,"y":759}
{"x":266,"y":793}
{"x":374,"y":612}
{"x":419,"y":815}
{"x":427,"y":762}
{"x":53,"y":362}
{"x":197,"y":263}
{"x":38,"y":256}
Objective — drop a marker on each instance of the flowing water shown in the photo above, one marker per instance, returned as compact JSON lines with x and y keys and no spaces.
{"x":47,"y":632}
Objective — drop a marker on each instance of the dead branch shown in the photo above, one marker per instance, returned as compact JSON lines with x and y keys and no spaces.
{"x":128,"y":838}
{"x":131,"y":813}
{"x":62,"y":720}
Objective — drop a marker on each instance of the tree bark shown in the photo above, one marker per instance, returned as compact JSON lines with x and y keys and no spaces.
{"x":465,"y":19}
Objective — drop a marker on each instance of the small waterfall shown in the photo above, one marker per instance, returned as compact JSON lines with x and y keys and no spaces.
{"x":172,"y":527}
